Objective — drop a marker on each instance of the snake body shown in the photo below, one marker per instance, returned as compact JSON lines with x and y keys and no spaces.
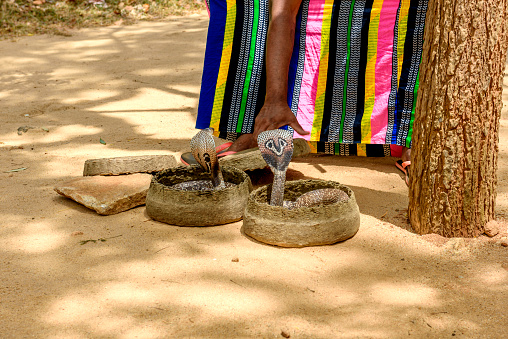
{"x":276,"y":147}
{"x":203,"y":149}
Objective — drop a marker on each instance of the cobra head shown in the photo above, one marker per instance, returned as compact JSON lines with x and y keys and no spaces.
{"x":276,"y":147}
{"x":203,"y":149}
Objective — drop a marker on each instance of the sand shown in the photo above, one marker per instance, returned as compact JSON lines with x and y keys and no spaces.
{"x":136,"y":88}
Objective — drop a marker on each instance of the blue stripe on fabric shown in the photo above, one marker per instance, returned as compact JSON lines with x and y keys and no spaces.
{"x":213,"y":54}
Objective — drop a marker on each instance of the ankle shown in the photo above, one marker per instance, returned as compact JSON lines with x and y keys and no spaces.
{"x":406,"y":154}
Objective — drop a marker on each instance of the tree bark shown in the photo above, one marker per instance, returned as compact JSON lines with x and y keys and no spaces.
{"x":456,"y":130}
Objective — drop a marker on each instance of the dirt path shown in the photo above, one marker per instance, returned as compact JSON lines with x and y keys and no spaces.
{"x":137,"y":88}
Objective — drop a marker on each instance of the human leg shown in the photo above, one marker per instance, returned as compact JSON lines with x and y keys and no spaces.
{"x":404,"y":163}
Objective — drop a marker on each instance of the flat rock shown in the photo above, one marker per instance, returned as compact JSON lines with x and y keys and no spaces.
{"x":107,"y":194}
{"x":128,"y":165}
{"x":252,"y":159}
{"x":247,"y":160}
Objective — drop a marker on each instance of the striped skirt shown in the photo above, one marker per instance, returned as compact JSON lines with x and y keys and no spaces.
{"x":353,"y":75}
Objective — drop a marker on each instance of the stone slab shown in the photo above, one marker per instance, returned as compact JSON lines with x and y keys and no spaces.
{"x":107,"y":194}
{"x":128,"y":165}
{"x":252,"y":159}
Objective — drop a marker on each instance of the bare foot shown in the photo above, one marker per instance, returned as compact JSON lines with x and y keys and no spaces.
{"x":406,"y":154}
{"x":244,"y":141}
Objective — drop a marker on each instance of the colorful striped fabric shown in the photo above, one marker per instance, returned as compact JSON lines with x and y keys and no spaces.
{"x":353,"y":75}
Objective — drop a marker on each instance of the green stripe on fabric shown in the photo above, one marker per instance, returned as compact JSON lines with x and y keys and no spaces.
{"x":336,"y":149}
{"x":250,"y":65}
{"x":344,"y":95}
{"x":415,"y":92}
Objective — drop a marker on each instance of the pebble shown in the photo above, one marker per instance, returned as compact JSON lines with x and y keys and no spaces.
{"x":235,"y":260}
{"x":285,"y":334}
{"x":492,"y":228}
{"x":504,"y":244}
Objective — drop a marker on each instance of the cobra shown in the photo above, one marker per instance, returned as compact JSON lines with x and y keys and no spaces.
{"x":276,"y":147}
{"x":203,"y":149}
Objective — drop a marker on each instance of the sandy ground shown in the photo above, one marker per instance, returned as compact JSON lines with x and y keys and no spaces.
{"x":137,"y":88}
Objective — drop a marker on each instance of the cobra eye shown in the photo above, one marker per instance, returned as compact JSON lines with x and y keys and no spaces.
{"x":269,"y":144}
{"x":206,"y":157}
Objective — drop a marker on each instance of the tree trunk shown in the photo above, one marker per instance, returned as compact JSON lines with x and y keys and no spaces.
{"x":456,"y":130}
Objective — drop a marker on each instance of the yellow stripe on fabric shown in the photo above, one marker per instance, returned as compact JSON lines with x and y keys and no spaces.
{"x":361,"y":150}
{"x":224,"y":64}
{"x":313,"y":146}
{"x":319,"y":105}
{"x":370,"y":71}
{"x":402,"y":32}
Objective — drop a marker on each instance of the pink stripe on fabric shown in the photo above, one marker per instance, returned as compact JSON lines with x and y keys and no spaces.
{"x":307,"y":98}
{"x":379,"y":119}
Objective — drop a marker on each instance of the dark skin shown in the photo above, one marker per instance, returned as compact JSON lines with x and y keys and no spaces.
{"x":275,"y":112}
{"x":281,"y":33}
